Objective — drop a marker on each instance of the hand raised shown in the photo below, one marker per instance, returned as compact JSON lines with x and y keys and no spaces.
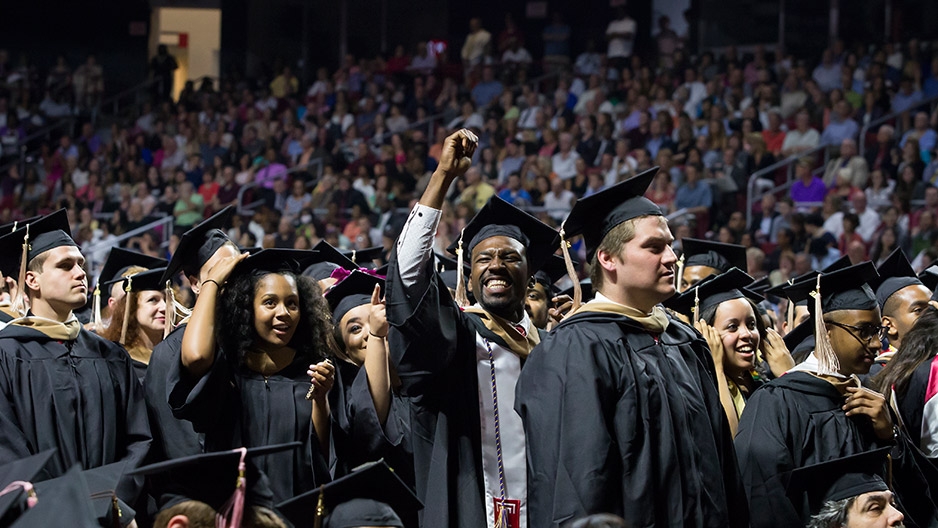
{"x":377,"y":319}
{"x":456,"y":157}
{"x":714,"y":341}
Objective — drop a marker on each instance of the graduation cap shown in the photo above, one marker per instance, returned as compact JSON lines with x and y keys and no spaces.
{"x":330,"y":259}
{"x":780,"y":290}
{"x":801,"y":339}
{"x":586,"y":288}
{"x":712,"y":291}
{"x":716,"y":255}
{"x":354,"y":290}
{"x":276,"y":260}
{"x":760,"y":286}
{"x":929,"y":277}
{"x":374,"y":481}
{"x":500,"y":218}
{"x":895,"y":273}
{"x":20,"y":247}
{"x":102,"y":483}
{"x":16,"y":224}
{"x":844,"y":289}
{"x":64,"y":500}
{"x":364,"y":256}
{"x":551,"y":272}
{"x":596,"y":215}
{"x":197,"y":245}
{"x":118,"y":261}
{"x":837,"y":479}
{"x":15,"y":486}
{"x":446,"y":267}
{"x":225,"y":480}
{"x":137,"y":282}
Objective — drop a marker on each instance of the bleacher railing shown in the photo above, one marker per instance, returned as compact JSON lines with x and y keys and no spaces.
{"x":134,"y":96}
{"x":756,"y":190}
{"x":23,"y":151}
{"x":900,"y":129}
{"x":95,"y":254}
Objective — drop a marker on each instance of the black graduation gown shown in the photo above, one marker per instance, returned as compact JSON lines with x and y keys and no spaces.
{"x":239,"y":407}
{"x":618,"y":422}
{"x":172,"y":437}
{"x":140,"y":369}
{"x":433,"y":347}
{"x":357,"y":435}
{"x":81,"y":397}
{"x":791,"y":422}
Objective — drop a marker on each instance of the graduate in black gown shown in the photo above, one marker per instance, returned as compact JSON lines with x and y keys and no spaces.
{"x":62,"y":386}
{"x":902,"y":298}
{"x":104,"y":297}
{"x":702,"y":258}
{"x":458,"y":366}
{"x":620,"y":402}
{"x":258,"y":333}
{"x":369,"y":417}
{"x":545,"y":303}
{"x":198,"y":251}
{"x":818,"y":411}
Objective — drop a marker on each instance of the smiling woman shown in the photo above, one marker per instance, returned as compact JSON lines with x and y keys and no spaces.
{"x":248,"y":365}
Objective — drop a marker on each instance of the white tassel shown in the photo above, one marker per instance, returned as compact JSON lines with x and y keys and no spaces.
{"x":571,"y":271}
{"x":827,"y":362}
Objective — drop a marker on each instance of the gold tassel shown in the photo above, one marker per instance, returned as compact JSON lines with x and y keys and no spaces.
{"x":19,"y":304}
{"x":127,"y":293}
{"x":571,"y":271}
{"x":96,"y":307}
{"x":827,"y":362}
{"x":462,"y":299}
{"x":679,"y":276}
{"x":790,"y":313}
{"x":320,"y":509}
{"x":170,"y":309}
{"x":500,"y":519}
{"x":354,"y":253}
{"x":15,"y":223}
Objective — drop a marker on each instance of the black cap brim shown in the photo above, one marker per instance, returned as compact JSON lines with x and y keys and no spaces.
{"x":144,"y":281}
{"x":714,"y":290}
{"x":363,"y":257}
{"x":895,"y":273}
{"x":352,"y":291}
{"x":197,"y":245}
{"x":26,"y":470}
{"x":845,"y":289}
{"x":837,"y":479}
{"x":594,"y":216}
{"x":374,"y":480}
{"x":716,"y":255}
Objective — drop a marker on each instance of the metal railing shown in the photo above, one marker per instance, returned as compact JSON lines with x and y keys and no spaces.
{"x":22,"y":146}
{"x":932,"y":103}
{"x":767,"y":174}
{"x":135,"y":95}
{"x":91,"y":252}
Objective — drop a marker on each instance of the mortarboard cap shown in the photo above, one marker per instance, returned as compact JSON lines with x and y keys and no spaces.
{"x":551,"y":272}
{"x":102,"y":483}
{"x":363,"y":257}
{"x":213,"y":477}
{"x":47,"y":233}
{"x":500,"y":218}
{"x":844,"y":289}
{"x":363,"y":512}
{"x":375,"y":481}
{"x":198,"y":244}
{"x":354,"y":290}
{"x":444,"y":263}
{"x":760,"y":286}
{"x":716,"y":255}
{"x":895,"y":273}
{"x":63,"y":500}
{"x":779,"y":290}
{"x":330,"y":259}
{"x":276,"y":260}
{"x":142,"y":281}
{"x":800,"y":338}
{"x":712,"y":291}
{"x":586,"y":286}
{"x":119,"y":260}
{"x":16,"y":224}
{"x":837,"y":479}
{"x":24,"y":470}
{"x":929,"y":277}
{"x":594,"y":216}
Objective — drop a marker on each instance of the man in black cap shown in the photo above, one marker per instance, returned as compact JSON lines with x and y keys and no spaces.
{"x":62,"y":386}
{"x":847,"y":492}
{"x":610,"y":397}
{"x":703,"y":258}
{"x":902,"y":298}
{"x":459,"y":364}
{"x":818,"y":411}
{"x":199,"y":249}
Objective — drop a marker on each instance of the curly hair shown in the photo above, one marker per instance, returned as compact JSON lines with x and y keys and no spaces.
{"x":235,"y":331}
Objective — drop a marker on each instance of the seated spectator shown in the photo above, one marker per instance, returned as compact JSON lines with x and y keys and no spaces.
{"x":926,"y":135}
{"x":559,"y":201}
{"x":841,"y":125}
{"x":827,"y":73}
{"x":808,"y":191}
{"x":695,"y":196}
{"x":488,"y":89}
{"x":298,"y":200}
{"x":773,"y":134}
{"x":802,"y":138}
{"x":423,"y":62}
{"x":564,"y":161}
{"x":856,"y":167}
{"x":513,"y":158}
{"x":868,"y":219}
{"x":189,"y":207}
{"x":907,"y":97}
{"x":513,"y":193}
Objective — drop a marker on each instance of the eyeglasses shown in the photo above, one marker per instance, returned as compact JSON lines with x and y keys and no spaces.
{"x":863,"y":333}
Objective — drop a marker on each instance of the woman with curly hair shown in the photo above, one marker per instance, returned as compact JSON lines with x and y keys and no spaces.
{"x":258,"y":333}
{"x":138,"y":318}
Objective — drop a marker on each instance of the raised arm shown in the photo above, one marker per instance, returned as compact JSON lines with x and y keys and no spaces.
{"x":377,"y":360}
{"x":198,"y":342}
